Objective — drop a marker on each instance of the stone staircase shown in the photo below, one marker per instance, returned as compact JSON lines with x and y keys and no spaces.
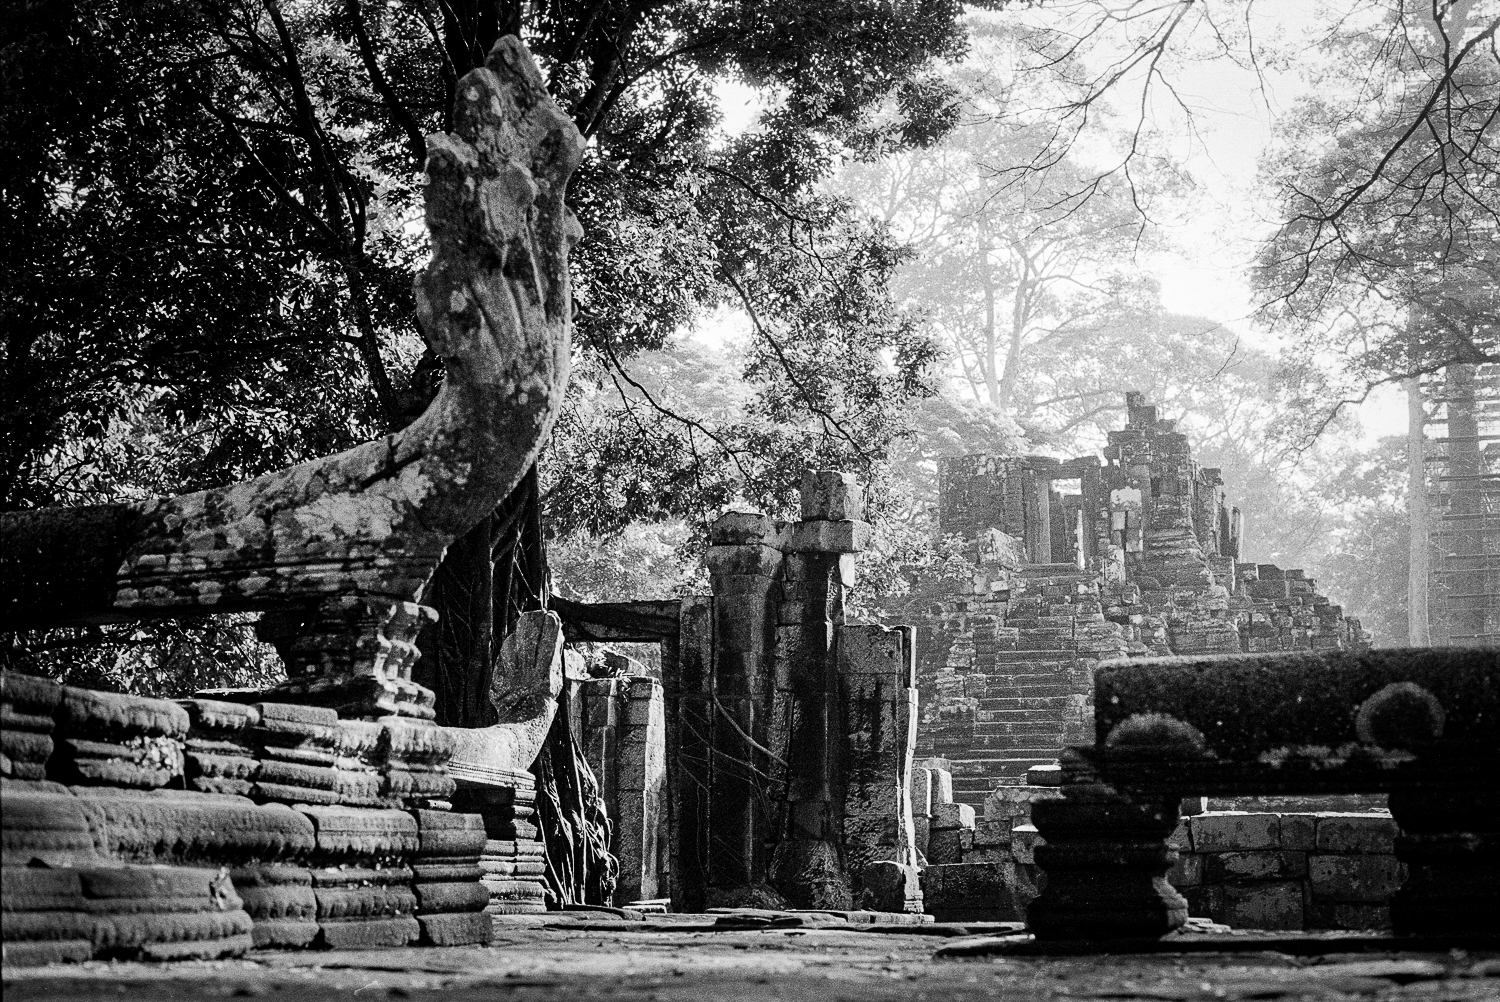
{"x":1028,"y":683}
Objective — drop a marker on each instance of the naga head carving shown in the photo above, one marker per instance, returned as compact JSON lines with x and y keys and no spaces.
{"x":501,"y":231}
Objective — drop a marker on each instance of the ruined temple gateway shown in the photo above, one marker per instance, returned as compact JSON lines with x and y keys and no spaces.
{"x":770,"y":764}
{"x":1077,"y":562}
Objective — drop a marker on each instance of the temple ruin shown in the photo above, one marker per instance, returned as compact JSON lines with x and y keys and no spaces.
{"x":1016,"y":747}
{"x":1077,"y":562}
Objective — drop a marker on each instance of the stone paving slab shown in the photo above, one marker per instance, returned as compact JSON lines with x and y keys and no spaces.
{"x":631,"y":963}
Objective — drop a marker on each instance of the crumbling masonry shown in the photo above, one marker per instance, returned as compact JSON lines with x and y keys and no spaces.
{"x":1072,"y":563}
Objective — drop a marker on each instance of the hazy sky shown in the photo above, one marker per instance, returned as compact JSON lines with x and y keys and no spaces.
{"x":1234,"y":109}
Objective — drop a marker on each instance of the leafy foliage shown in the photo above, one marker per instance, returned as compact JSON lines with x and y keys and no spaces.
{"x":1384,"y":265}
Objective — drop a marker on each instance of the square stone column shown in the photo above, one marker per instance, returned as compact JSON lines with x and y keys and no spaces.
{"x":744,"y":566}
{"x":877,"y":669}
{"x":808,"y":866}
{"x":640,"y":783}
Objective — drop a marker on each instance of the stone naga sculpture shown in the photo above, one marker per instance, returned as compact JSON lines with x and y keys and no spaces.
{"x":341,"y":547}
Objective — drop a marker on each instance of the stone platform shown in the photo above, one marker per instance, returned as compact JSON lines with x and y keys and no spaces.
{"x":671,"y":958}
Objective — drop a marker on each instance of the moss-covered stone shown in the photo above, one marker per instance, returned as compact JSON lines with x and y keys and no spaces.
{"x":1250,"y":706}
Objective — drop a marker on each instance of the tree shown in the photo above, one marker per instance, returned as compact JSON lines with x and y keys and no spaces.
{"x":300,"y":126}
{"x":1385,"y":257}
{"x":211,"y":204}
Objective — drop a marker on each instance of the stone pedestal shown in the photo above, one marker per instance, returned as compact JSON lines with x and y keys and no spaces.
{"x":352,"y":654}
{"x":1106,"y":859}
{"x":1450,"y":843}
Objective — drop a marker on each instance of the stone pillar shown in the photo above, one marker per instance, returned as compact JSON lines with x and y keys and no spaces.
{"x":878,"y":670}
{"x":808,"y":866}
{"x":744,"y":565}
{"x":640,"y":789}
{"x":688,"y":681}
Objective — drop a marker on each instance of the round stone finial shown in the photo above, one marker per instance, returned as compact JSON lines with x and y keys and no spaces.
{"x":1155,"y":735}
{"x":1400,"y":715}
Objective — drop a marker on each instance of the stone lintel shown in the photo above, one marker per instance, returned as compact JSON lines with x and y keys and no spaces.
{"x":847,"y":536}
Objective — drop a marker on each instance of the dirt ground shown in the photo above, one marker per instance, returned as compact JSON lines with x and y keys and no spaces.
{"x":677,"y":962}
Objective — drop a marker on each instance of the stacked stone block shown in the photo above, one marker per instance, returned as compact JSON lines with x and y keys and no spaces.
{"x":515,"y":874}
{"x":42,"y":917}
{"x":415,"y":772}
{"x":513,"y":859}
{"x":163,"y":912}
{"x":280,"y":901}
{"x":360,"y":877}
{"x":1281,"y":610}
{"x":1288,"y":871}
{"x":26,"y":708}
{"x":877,"y":677}
{"x":218,"y":756}
{"x":149,"y":864}
{"x":624,"y":740}
{"x":451,"y":896}
{"x":297,"y":747}
{"x":104,"y":738}
{"x":139,"y":870}
{"x":359,"y":755}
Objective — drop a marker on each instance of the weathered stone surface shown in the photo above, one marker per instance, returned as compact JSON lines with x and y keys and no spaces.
{"x":1235,"y":832}
{"x":1273,"y":905}
{"x":848,"y":536}
{"x":993,"y":892}
{"x":164,"y":912}
{"x":1262,"y":865}
{"x":952,"y":816}
{"x":831,"y":496}
{"x":1299,"y":832}
{"x":1367,"y":833}
{"x":105,"y":716}
{"x":1371,"y":879}
{"x":44,"y":822}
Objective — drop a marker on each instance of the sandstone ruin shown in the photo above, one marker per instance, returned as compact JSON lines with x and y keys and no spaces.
{"x":771,"y":764}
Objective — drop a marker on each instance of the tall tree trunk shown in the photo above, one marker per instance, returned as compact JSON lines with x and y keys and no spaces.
{"x":1418,"y":629}
{"x":991,"y":363}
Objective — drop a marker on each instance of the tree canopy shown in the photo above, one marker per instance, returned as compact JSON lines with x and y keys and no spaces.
{"x":213,"y":208}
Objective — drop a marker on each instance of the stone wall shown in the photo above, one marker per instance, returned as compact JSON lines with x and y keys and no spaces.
{"x":160,"y":829}
{"x":1142,"y":557}
{"x":1287,"y":870}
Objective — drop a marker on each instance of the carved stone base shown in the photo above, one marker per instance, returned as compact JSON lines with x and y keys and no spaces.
{"x":1106,"y":859}
{"x":357,"y":697}
{"x":1450,"y":843}
{"x":352,"y":654}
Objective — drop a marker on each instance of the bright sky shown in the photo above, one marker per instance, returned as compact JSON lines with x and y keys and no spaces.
{"x":1235,"y":109}
{"x":1218,"y":229}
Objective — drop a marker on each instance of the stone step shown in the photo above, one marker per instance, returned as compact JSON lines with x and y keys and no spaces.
{"x":1030,"y":571}
{"x":1055,"y":703}
{"x":986,"y":732}
{"x":1040,"y":691}
{"x":1011,"y":754}
{"x":996,"y":684}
